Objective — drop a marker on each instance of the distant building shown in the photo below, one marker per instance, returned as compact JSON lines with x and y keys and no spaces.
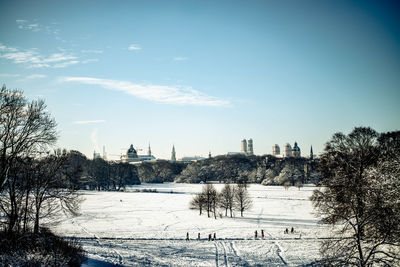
{"x":250,"y":147}
{"x":296,"y":151}
{"x":191,"y":159}
{"x":132,"y":156}
{"x":96,"y":155}
{"x":104,"y":153}
{"x":149,"y":151}
{"x":287,"y":150}
{"x":276,"y":151}
{"x":173,"y":154}
{"x":243,"y":147}
{"x":311,"y":154}
{"x":236,"y":153}
{"x":246,"y":147}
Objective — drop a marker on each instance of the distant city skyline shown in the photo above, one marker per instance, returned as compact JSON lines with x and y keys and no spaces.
{"x":203,"y":75}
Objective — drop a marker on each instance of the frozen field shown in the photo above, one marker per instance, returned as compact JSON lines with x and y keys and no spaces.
{"x":137,"y":228}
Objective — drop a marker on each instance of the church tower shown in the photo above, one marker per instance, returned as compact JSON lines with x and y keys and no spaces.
{"x":250,"y":147}
{"x":311,"y":154}
{"x":149,"y":151}
{"x":173,"y":155}
{"x":243,"y":148}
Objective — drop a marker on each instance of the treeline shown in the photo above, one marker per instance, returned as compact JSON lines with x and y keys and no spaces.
{"x":98,"y":174}
{"x":267,"y":169}
{"x":231,"y":198}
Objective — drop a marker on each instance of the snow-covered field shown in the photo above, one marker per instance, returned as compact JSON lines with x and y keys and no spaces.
{"x":138,"y":228}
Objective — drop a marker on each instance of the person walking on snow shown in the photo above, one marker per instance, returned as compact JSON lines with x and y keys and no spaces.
{"x":198,"y":236}
{"x":209,"y":237}
{"x":262,"y":234}
{"x":187,"y":236}
{"x":215,"y":236}
{"x":292,"y":230}
{"x":255,"y":234}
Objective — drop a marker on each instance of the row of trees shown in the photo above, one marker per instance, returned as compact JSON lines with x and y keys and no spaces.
{"x":361,"y":198}
{"x":98,"y":174}
{"x":267,"y":169}
{"x":231,"y":197}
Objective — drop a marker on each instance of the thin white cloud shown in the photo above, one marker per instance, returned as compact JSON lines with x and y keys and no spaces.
{"x":26,"y":25}
{"x":92,"y":51}
{"x":179,"y":58}
{"x":88,"y":122}
{"x":66,"y":64}
{"x":33,"y":59}
{"x":36,"y":76}
{"x":134,"y":47}
{"x":9,"y":75}
{"x":90,"y":60}
{"x":158,"y":93}
{"x":37,"y":27}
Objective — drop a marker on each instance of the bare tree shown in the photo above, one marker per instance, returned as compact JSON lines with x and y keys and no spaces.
{"x":242,"y":199}
{"x":287,"y":184}
{"x":198,"y":202}
{"x":226,"y":198}
{"x":299,"y":184}
{"x":360,"y":196}
{"x":210,"y":196}
{"x":26,"y":128}
{"x":50,"y":188}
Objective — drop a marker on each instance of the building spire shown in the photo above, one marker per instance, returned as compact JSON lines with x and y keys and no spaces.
{"x":311,"y":153}
{"x":149,"y":151}
{"x":173,"y":154}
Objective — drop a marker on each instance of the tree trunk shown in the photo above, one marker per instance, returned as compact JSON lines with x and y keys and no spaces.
{"x":26,"y":209}
{"x":36,"y":226}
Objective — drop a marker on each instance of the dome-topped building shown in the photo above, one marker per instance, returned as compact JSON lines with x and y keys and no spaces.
{"x":296,"y":151}
{"x":132,"y":156}
{"x":131,"y":153}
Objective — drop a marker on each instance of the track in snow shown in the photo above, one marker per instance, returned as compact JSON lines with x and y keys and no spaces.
{"x":98,"y":240}
{"x":278,"y":252}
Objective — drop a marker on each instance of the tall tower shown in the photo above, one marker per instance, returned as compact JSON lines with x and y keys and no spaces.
{"x":104,"y":153}
{"x":250,"y":147}
{"x":149,"y":151}
{"x":311,"y":154}
{"x":287,"y":150}
{"x":244,"y":146}
{"x":209,"y":154}
{"x":276,"y":150}
{"x":173,"y":155}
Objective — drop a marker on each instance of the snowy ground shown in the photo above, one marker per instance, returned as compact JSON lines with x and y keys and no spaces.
{"x":137,"y":228}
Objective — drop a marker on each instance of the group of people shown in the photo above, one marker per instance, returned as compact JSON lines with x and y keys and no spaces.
{"x":210,"y":237}
{"x":256,"y":234}
{"x":287,"y":231}
{"x":214,"y":236}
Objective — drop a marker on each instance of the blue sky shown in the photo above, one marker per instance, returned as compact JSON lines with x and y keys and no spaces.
{"x":203,"y":75}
